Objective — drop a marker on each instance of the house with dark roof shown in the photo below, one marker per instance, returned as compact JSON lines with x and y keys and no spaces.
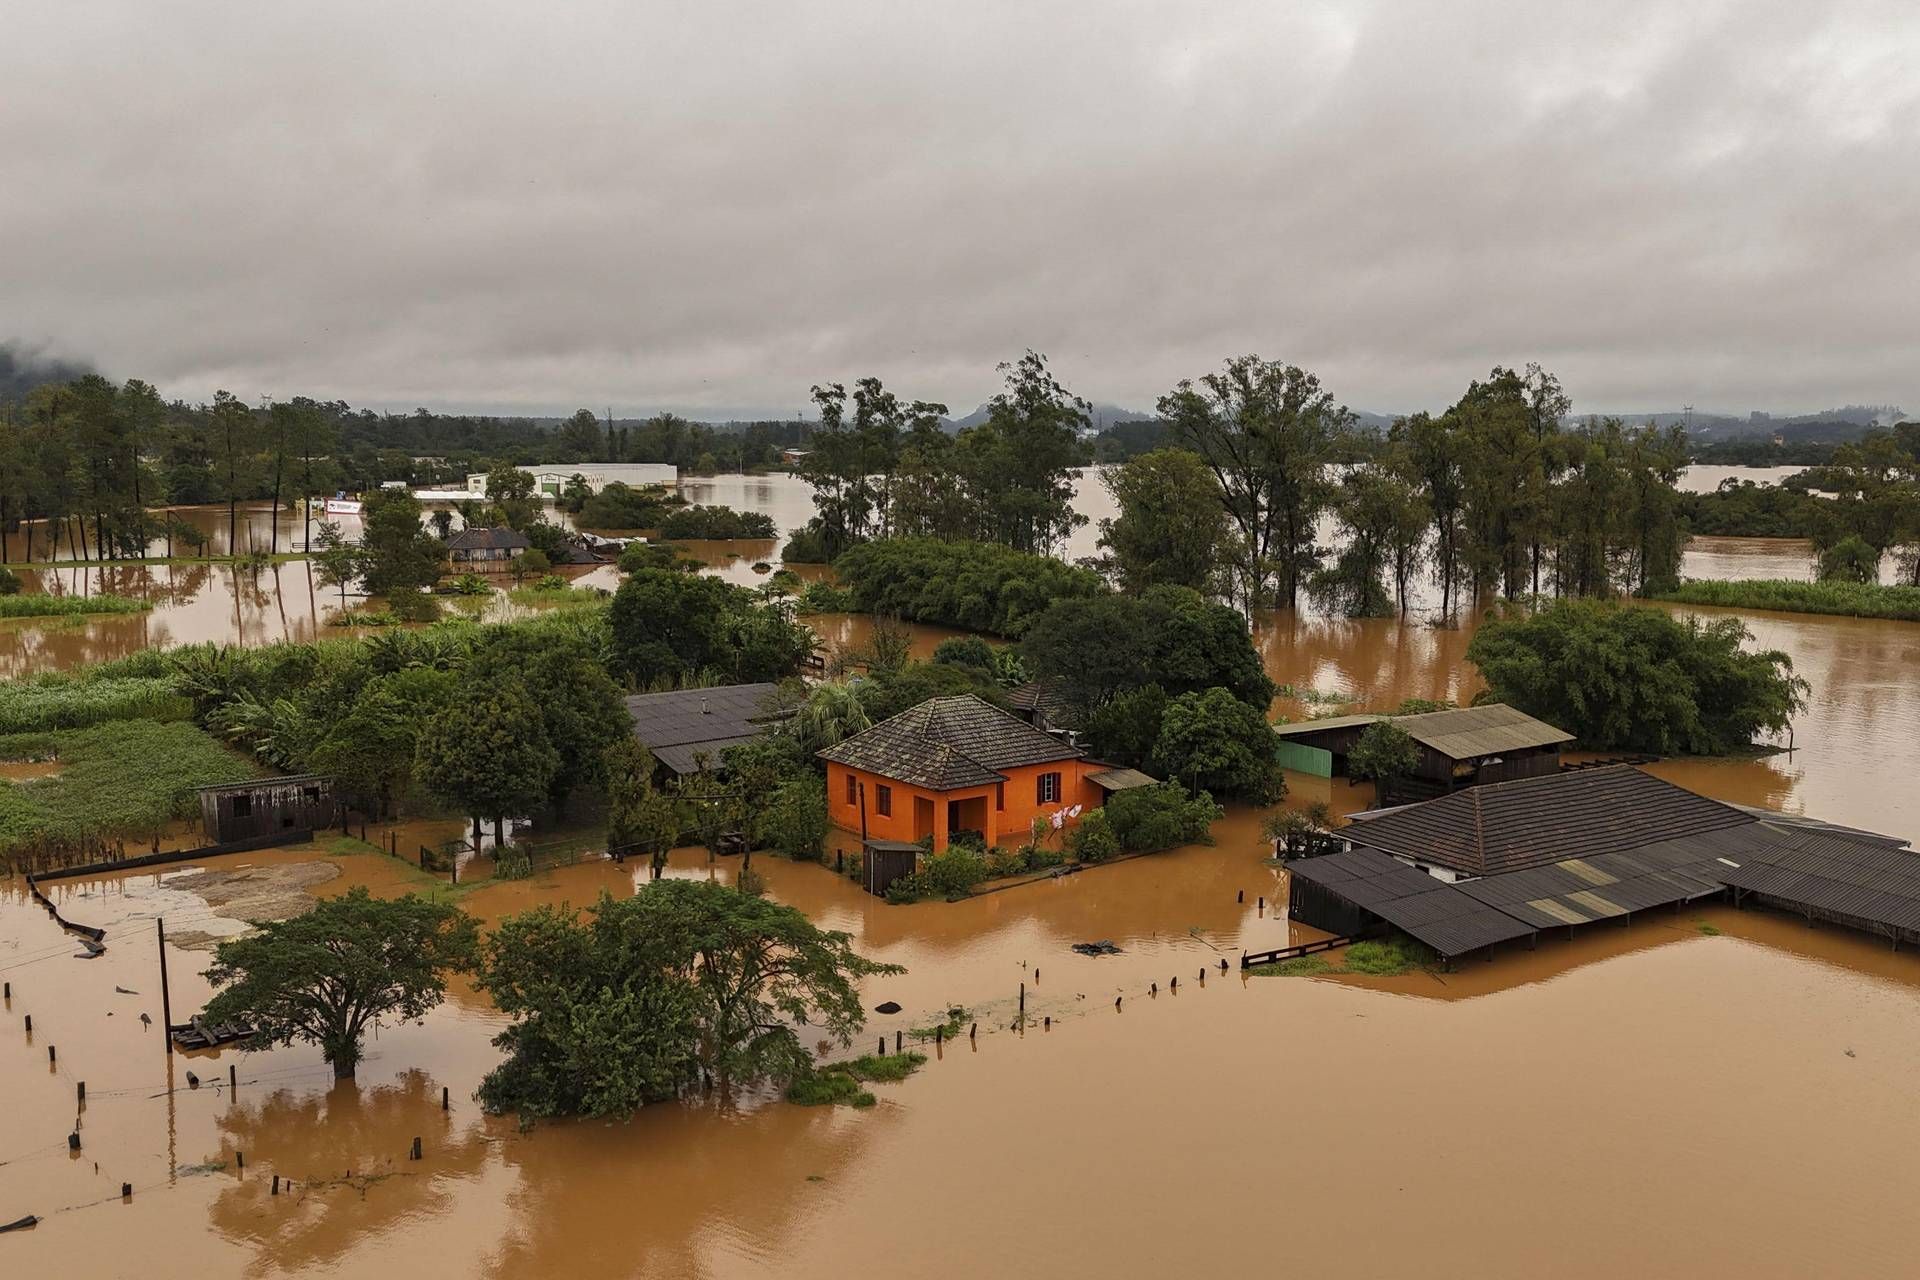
{"x":1459,"y":747}
{"x":960,"y":764}
{"x":486,"y":548}
{"x":1508,"y":860}
{"x":688,"y":728}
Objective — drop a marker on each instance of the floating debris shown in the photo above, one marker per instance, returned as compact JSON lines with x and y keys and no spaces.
{"x":889,"y":1007}
{"x":1101,"y":948}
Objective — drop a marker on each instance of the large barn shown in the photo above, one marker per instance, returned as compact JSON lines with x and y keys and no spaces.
{"x":1459,"y":747}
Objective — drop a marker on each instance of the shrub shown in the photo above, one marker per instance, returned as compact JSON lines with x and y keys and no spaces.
{"x":965,"y":651}
{"x":825,"y":597}
{"x":973,"y":586}
{"x":620,"y":506}
{"x":796,"y":819}
{"x":1148,"y":819}
{"x":39,"y":606}
{"x":413,"y":606}
{"x":805,"y":545}
{"x":470,"y":584}
{"x":9,"y":582}
{"x":1384,"y":752}
{"x":1216,"y":742}
{"x":717,"y":523}
{"x":1093,"y":839}
{"x":1388,"y":958}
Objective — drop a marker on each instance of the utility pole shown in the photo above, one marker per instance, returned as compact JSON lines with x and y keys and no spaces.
{"x":166,"y":999}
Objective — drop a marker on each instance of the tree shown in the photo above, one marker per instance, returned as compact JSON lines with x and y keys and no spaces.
{"x":668,"y":626}
{"x":1850,"y":560}
{"x":400,"y":555}
{"x":324,"y":976}
{"x":851,"y":460}
{"x":1168,"y":636}
{"x":1385,"y":516}
{"x":1125,"y":729}
{"x":1435,"y":454}
{"x":1018,"y":464}
{"x":1171,"y":530}
{"x":640,"y":817}
{"x":831,"y":714}
{"x":684,"y":980}
{"x":795,"y":819}
{"x":232,"y":424}
{"x":1215,"y":742}
{"x":1384,"y":754}
{"x":1149,"y":819}
{"x":488,"y":755}
{"x":531,"y":562}
{"x":577,"y":704}
{"x":1637,"y":678}
{"x":511,"y":494}
{"x":337,"y":562}
{"x":371,"y":749}
{"x":1266,"y":431}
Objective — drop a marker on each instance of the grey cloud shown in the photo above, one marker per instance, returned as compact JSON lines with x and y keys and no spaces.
{"x":713,"y":206}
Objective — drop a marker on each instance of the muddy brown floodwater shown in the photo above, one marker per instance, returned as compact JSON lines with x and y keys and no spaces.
{"x":1745,"y":1100}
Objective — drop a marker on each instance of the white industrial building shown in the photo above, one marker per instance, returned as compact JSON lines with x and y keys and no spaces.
{"x":549,"y":480}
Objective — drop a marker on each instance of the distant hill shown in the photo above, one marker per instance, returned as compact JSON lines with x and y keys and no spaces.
{"x":1102,"y":415}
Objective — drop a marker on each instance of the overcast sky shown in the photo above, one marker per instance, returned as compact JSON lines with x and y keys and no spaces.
{"x":710,"y":206}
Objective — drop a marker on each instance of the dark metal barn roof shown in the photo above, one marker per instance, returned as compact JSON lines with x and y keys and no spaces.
{"x":1438,"y":914}
{"x":682,"y":724}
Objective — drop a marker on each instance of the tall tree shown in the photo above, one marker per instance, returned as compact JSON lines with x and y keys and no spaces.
{"x":1019,"y":462}
{"x":1267,"y":431}
{"x":488,"y":754}
{"x":1171,"y":530}
{"x":232,"y":429}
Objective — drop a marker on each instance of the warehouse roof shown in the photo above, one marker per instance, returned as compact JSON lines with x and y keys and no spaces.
{"x":1531,"y":822}
{"x":947,"y":743}
{"x":1459,"y":733}
{"x":1845,"y":873}
{"x":1439,"y":914}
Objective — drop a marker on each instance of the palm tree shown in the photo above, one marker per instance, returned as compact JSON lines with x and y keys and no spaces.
{"x":831,"y":714}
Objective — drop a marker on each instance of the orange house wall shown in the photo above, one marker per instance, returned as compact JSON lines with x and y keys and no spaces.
{"x":1022,"y":786}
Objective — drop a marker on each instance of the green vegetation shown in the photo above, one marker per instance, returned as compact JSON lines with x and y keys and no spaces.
{"x":970,"y":585}
{"x":120,"y":779}
{"x":76,"y":701}
{"x":620,"y":506}
{"x":648,"y":995}
{"x":1297,"y":967}
{"x":840,"y":1082}
{"x":1848,"y":599}
{"x":37,"y":606}
{"x":1149,"y":819}
{"x":1388,"y":957}
{"x":669,"y":626}
{"x":1212,"y":741}
{"x":1637,"y":678}
{"x":1092,"y":838}
{"x":717,"y":524}
{"x":950,"y":874}
{"x":946,"y":1029}
{"x":1384,"y":754}
{"x":1711,"y":931}
{"x":325,"y":976}
{"x":825,"y":597}
{"x":1172,"y":637}
{"x":1743,"y":509}
{"x":1170,"y":530}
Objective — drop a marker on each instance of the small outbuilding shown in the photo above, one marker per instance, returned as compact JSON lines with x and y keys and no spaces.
{"x":486,"y":548}
{"x":1459,"y":747}
{"x":266,"y":807}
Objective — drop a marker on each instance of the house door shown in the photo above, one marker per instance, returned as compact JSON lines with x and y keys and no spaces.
{"x":922,"y":817}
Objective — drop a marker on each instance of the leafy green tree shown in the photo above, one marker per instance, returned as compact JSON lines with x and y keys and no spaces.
{"x":338,"y":562}
{"x":1384,"y":754}
{"x":1386,"y":518}
{"x":1092,"y":839}
{"x":1850,"y":560}
{"x":965,"y":651}
{"x":668,"y":626}
{"x":1215,"y":742}
{"x":795,"y":819}
{"x":510,"y":493}
{"x":1019,"y":463}
{"x":1126,"y":728}
{"x":853,"y":458}
{"x":604,"y":1018}
{"x":371,"y":749}
{"x":1267,"y":433}
{"x":530,"y":563}
{"x":1167,"y":636}
{"x":1638,"y":678}
{"x":970,"y":585}
{"x":639,"y":815}
{"x":400,"y":555}
{"x":1171,"y":530}
{"x":578,"y":705}
{"x":325,"y":976}
{"x":1149,"y":819}
{"x":1436,"y":456}
{"x":488,"y":755}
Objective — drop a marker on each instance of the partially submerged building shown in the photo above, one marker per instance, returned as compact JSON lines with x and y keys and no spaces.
{"x":550,"y":480}
{"x":1504,"y":861}
{"x":267,"y":808}
{"x":486,"y":548}
{"x":961,"y":764}
{"x":687,"y":729}
{"x":1459,"y":747}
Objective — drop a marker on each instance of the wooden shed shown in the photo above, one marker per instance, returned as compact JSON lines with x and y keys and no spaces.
{"x":882,"y":862}
{"x":265,"y":807}
{"x":1459,"y":747}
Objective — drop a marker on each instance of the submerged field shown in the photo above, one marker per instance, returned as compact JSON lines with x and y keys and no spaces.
{"x":1159,"y":1128}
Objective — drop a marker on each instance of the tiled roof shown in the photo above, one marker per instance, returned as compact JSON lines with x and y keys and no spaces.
{"x":947,"y":743}
{"x":1508,"y":826}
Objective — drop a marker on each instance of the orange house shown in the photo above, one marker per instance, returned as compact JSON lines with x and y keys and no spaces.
{"x":956,"y":764}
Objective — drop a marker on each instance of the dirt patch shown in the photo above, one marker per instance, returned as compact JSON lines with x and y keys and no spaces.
{"x":28,"y":770}
{"x":252,"y":894}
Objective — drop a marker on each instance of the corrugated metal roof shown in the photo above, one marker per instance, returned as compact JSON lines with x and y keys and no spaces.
{"x":1438,"y":914}
{"x":1531,"y":822}
{"x":1459,"y":733}
{"x":681,"y":723}
{"x":1854,"y":874}
{"x":1120,"y":779}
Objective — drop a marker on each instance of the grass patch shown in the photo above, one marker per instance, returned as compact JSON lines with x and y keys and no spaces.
{"x":1388,"y":958}
{"x":1711,"y":931}
{"x":37,"y":606}
{"x":76,"y":702}
{"x":956,"y":1018}
{"x":1846,"y":599}
{"x":840,"y":1083}
{"x":550,"y":597}
{"x":1298,"y":967}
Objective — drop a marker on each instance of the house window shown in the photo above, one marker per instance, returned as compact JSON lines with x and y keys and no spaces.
{"x":243,"y":806}
{"x":999,"y":795}
{"x":853,"y":790}
{"x":883,"y":800}
{"x":1049,"y":788}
